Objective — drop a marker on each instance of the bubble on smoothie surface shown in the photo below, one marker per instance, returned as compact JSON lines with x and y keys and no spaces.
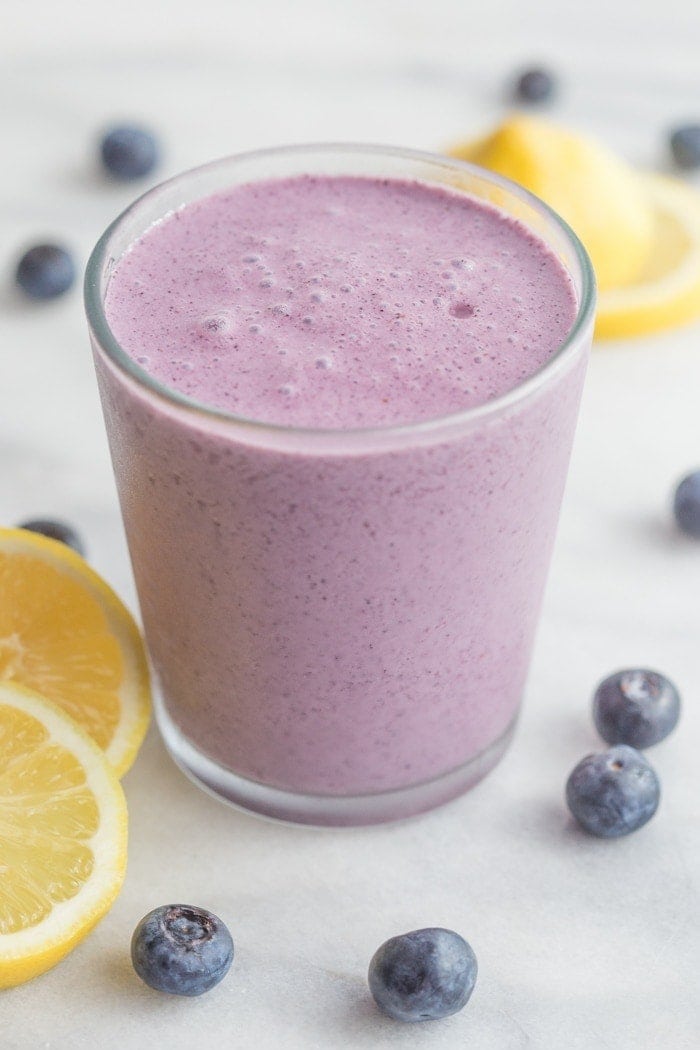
{"x":216,"y":323}
{"x":462,"y":310}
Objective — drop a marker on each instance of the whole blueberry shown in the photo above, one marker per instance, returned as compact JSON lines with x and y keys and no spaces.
{"x":181,"y":949}
{"x":129,"y":152}
{"x":45,"y":271}
{"x":55,"y":530}
{"x":423,"y":975}
{"x":686,"y":504}
{"x":535,"y":85}
{"x":636,"y":707}
{"x":685,"y":146}
{"x":613,"y":793}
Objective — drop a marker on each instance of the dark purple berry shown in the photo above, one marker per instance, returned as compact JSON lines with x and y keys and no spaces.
{"x":535,"y":85}
{"x":181,"y":949}
{"x":423,"y":975}
{"x":56,"y":530}
{"x":686,"y":504}
{"x":129,"y":152}
{"x":636,"y":707}
{"x":613,"y":793}
{"x":45,"y":271}
{"x":685,"y":146}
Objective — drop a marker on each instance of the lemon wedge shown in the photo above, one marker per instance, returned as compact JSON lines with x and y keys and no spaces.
{"x":63,"y":831}
{"x":602,"y":198}
{"x":65,"y":634}
{"x":667,"y":292}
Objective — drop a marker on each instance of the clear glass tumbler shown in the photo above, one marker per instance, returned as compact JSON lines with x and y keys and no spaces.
{"x":340,"y":622}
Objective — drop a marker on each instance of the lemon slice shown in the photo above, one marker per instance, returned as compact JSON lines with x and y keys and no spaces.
{"x":667,"y":292}
{"x":602,"y":198}
{"x":63,"y":829}
{"x":65,"y":634}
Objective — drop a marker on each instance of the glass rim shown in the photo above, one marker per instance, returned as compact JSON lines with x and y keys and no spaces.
{"x":108,"y":343}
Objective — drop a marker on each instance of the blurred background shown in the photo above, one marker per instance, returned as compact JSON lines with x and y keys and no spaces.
{"x":216,"y":77}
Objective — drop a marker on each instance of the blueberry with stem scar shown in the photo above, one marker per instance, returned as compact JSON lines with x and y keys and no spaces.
{"x":181,"y":949}
{"x":613,"y":793}
{"x":636,"y":707}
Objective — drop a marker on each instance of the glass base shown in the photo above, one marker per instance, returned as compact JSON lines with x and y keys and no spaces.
{"x":326,"y":810}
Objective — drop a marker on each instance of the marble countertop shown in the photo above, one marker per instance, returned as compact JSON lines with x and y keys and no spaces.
{"x":581,"y":943}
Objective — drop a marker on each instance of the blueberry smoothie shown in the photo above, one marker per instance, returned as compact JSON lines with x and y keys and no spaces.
{"x":339,"y":568}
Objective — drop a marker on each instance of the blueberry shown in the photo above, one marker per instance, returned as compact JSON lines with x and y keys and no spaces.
{"x":129,"y":152}
{"x":45,"y":271}
{"x":181,"y":949}
{"x":423,"y":975}
{"x":535,"y":85}
{"x":613,"y":793}
{"x":685,"y":146}
{"x":636,"y":707}
{"x":56,"y":530}
{"x":686,"y":504}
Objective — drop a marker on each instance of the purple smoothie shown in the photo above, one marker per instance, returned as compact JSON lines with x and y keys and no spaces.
{"x":353,"y":616}
{"x":340,"y":302}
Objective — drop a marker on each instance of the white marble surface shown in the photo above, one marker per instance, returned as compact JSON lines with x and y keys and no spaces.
{"x":581,"y":943}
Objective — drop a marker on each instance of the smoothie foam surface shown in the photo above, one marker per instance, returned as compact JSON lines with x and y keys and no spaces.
{"x":339,"y":302}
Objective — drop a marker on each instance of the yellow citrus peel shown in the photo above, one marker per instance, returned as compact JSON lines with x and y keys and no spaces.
{"x":642,"y":232}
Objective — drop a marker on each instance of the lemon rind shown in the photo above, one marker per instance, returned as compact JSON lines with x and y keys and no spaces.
{"x":25,"y":954}
{"x":672,"y":300}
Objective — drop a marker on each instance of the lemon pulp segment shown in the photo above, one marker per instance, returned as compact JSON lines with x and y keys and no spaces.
{"x":63,"y":829}
{"x":64,"y":633}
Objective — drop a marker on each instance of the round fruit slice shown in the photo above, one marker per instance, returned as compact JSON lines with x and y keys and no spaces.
{"x":64,"y":633}
{"x":667,"y":292}
{"x":63,"y":830}
{"x":597,"y":193}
